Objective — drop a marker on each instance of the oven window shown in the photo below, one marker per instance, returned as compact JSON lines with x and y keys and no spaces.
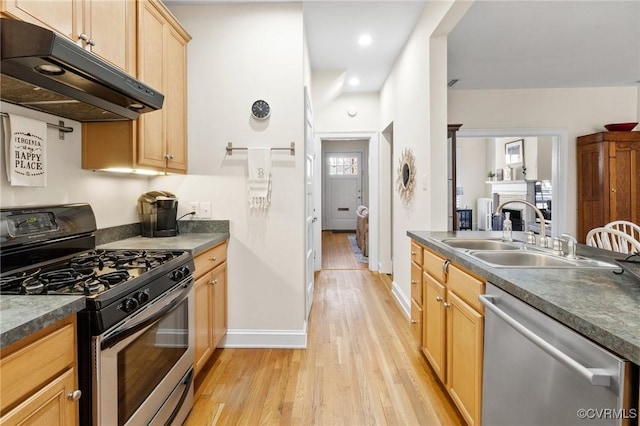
{"x":148,"y":359}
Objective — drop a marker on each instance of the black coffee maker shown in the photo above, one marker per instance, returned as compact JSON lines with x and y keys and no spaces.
{"x":158,"y":212}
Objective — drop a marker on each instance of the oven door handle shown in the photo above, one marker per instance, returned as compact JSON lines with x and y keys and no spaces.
{"x":112,"y":340}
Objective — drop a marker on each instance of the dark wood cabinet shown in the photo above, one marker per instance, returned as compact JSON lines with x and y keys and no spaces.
{"x":608,"y":174}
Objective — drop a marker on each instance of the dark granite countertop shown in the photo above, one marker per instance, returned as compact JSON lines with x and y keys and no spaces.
{"x":195,"y":243}
{"x":20,"y":316}
{"x":596,"y":303}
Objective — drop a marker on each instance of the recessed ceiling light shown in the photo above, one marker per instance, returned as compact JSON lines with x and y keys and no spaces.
{"x":354,"y":81}
{"x":365,"y":40}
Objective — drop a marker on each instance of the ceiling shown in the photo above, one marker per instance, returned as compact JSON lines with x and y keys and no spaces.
{"x":496,"y":45}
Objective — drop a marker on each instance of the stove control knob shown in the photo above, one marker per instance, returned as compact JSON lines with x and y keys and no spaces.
{"x":180,"y":273}
{"x":177,"y":275}
{"x":143,"y":296}
{"x":129,"y":305}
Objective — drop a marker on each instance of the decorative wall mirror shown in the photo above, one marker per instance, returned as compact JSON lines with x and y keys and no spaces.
{"x":406,"y":179}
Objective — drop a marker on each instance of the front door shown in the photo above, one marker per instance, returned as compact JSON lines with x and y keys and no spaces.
{"x":343,"y":189}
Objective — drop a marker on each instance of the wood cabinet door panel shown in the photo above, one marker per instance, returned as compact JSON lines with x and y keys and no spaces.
{"x":417,"y":316}
{"x":111,"y":24}
{"x":434,"y":265}
{"x":464,"y":357}
{"x":203,"y":321}
{"x":219,"y":303}
{"x":593,"y":188}
{"x":49,"y":406}
{"x":625,"y":185}
{"x":151,"y":40}
{"x":61,"y":16}
{"x":416,"y":283}
{"x":434,"y":336}
{"x":176,"y":100}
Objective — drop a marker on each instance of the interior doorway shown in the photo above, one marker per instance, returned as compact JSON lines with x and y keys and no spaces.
{"x":370,"y":179}
{"x":556,"y":159}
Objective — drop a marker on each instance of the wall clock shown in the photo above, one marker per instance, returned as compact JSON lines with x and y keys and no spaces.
{"x":260,"y":110}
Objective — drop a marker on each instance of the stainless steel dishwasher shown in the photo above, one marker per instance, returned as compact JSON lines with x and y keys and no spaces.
{"x":539,"y":372}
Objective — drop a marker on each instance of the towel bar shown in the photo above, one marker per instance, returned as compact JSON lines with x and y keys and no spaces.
{"x":230,"y":148}
{"x":60,"y":127}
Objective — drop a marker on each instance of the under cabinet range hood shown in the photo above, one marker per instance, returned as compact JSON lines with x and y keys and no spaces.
{"x":45,"y":71}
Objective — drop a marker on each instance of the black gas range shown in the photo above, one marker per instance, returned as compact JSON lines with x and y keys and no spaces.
{"x":139,"y":310}
{"x":50,"y":250}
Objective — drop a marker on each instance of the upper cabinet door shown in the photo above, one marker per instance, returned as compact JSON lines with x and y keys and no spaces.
{"x":176,"y":100}
{"x":61,"y":16}
{"x":111,"y":26}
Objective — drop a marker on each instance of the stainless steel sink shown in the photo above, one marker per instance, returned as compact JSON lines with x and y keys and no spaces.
{"x":534,"y":259}
{"x":481,"y":244}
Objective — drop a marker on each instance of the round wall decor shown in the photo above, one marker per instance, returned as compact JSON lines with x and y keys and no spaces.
{"x":406,"y":179}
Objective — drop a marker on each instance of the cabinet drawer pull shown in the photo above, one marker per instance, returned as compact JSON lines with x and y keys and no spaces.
{"x":214,"y":282}
{"x":445,"y":267}
{"x":438,"y":299}
{"x":75,"y":395}
{"x":446,"y":305}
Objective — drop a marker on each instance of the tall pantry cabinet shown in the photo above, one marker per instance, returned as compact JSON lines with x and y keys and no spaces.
{"x":608,"y":174}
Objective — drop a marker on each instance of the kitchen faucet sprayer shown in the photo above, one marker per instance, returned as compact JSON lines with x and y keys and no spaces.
{"x":543,"y":233}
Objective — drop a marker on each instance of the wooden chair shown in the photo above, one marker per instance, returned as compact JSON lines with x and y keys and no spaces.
{"x":612,"y":239}
{"x":625,"y":226}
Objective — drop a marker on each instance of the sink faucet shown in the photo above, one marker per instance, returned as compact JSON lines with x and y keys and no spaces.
{"x":543,"y":230}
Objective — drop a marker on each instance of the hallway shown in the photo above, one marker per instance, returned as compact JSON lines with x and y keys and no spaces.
{"x":361,"y":365}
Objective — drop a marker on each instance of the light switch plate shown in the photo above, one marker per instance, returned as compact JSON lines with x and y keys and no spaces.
{"x":205,"y":210}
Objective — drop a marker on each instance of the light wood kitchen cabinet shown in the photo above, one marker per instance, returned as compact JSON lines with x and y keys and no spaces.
{"x":105,"y":28}
{"x":38,"y":378}
{"x":453,"y":325}
{"x":608,"y":175}
{"x":416,"y":291}
{"x":157,"y":141}
{"x":210,"y":302}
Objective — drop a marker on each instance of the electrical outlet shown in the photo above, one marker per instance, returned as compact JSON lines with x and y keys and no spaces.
{"x":195,"y":207}
{"x":205,"y":210}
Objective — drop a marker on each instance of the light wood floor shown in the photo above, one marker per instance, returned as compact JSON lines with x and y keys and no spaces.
{"x":337,"y":252}
{"x":361,"y":366}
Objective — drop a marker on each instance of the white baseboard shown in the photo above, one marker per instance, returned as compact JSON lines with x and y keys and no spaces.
{"x":240,"y":338}
{"x":405,"y":304}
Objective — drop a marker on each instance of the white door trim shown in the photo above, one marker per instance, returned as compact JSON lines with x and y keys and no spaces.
{"x":373,"y":186}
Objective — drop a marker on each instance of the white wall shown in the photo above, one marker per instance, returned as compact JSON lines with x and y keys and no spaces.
{"x":240,"y":53}
{"x":333,"y":116}
{"x":472,"y":172}
{"x":581,"y":111}
{"x":112,"y":197}
{"x":414,"y":99}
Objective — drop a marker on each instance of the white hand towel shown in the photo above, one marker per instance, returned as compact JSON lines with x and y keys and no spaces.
{"x":25,"y":142}
{"x":259,"y":182}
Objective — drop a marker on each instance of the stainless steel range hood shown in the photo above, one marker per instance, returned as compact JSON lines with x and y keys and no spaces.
{"x":43,"y":70}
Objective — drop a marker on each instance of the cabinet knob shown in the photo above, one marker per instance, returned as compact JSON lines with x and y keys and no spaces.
{"x":414,"y":282}
{"x":414,"y":321}
{"x":438,"y":299}
{"x":213,"y":258}
{"x":613,"y":190}
{"x":84,"y":37}
{"x":169,"y":156}
{"x":214,"y":282}
{"x":446,"y":305}
{"x":413,"y":253}
{"x":75,"y":395}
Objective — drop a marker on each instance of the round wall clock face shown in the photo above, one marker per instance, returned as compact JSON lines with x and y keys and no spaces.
{"x":260,"y":110}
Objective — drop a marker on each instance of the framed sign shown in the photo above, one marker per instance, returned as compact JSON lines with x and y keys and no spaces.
{"x":514,"y":152}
